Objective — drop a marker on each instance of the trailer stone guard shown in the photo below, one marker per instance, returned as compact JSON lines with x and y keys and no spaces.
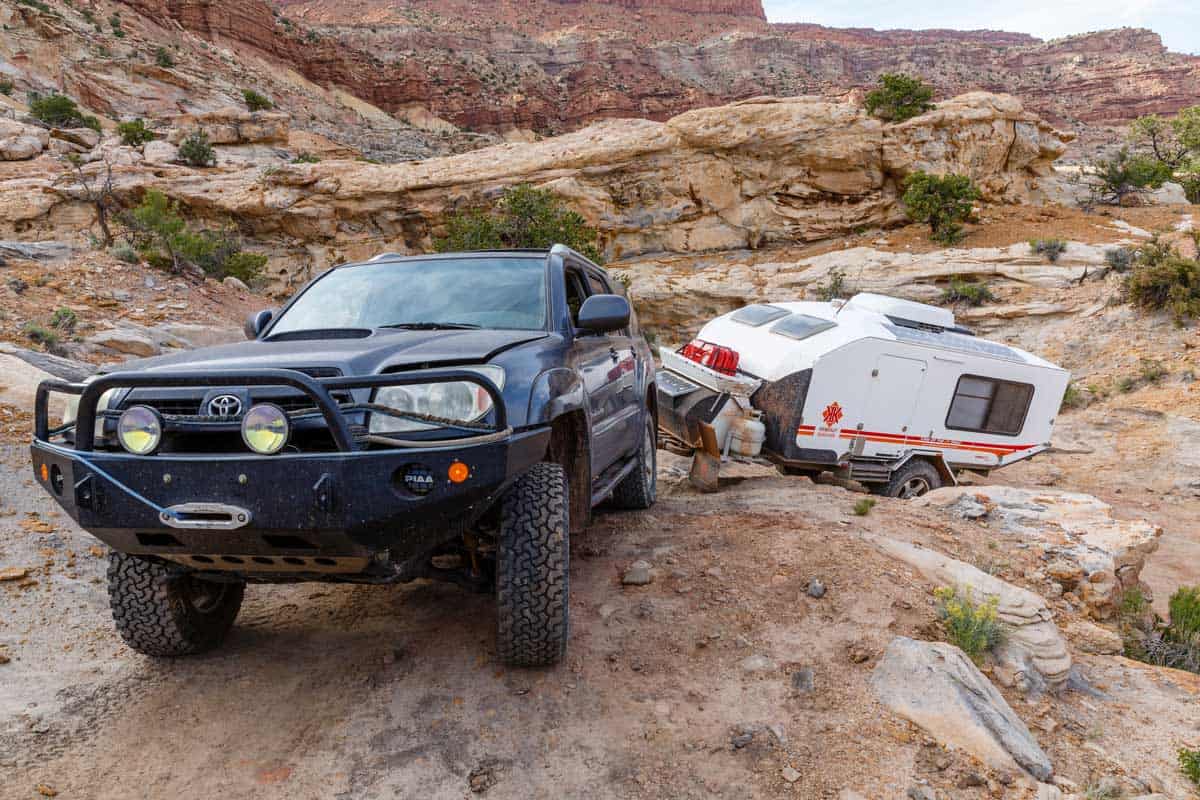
{"x":308,"y":513}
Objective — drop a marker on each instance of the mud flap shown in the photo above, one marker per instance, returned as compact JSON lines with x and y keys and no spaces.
{"x":705,"y":473}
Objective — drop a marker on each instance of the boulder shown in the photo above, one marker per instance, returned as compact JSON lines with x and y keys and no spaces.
{"x":1094,"y":639}
{"x":1170,"y":193}
{"x":81,"y":137}
{"x":62,"y":368}
{"x":1034,"y":653}
{"x":160,"y":152}
{"x":1075,"y":528}
{"x":19,"y":381}
{"x":20,"y":142}
{"x":36,"y":251}
{"x":935,"y":686}
{"x":233,"y":126}
{"x":125,"y":341}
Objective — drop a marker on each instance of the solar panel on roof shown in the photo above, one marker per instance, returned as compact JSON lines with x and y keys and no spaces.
{"x":954,"y":341}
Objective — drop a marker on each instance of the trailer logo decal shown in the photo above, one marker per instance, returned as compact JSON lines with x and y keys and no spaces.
{"x":832,"y":414}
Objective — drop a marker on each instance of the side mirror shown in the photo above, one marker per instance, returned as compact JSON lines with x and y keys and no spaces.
{"x":602,"y":313}
{"x":257,"y":322}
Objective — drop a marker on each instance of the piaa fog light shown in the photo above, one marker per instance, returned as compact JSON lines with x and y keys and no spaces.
{"x":140,"y":430}
{"x":265,"y":429}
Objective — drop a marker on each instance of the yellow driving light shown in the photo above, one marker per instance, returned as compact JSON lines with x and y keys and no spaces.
{"x":265,"y":429}
{"x":139,"y":430}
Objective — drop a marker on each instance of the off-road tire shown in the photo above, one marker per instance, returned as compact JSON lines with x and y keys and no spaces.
{"x":531,"y":569}
{"x":158,"y":610}
{"x":914,"y":479}
{"x":639,"y":489}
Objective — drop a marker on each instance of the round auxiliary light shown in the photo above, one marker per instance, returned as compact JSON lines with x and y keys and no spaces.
{"x":139,"y":430}
{"x":265,"y":429}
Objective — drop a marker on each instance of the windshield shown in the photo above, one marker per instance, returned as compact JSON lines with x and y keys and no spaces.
{"x":497,"y":293}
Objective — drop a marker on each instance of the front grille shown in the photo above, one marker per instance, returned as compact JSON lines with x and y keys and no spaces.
{"x":300,"y":402}
{"x":169,"y":408}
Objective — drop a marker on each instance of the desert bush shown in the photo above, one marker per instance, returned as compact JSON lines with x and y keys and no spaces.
{"x":1151,"y":371}
{"x":134,"y":133}
{"x":961,"y":291}
{"x":161,"y":235}
{"x":256,"y":101}
{"x":522,"y":217}
{"x":899,"y":97}
{"x":864,"y":506}
{"x":1073,"y":397}
{"x":942,"y":201}
{"x":64,"y":319}
{"x":1120,"y":259}
{"x":125,"y":252}
{"x":306,"y":158}
{"x":972,"y":627}
{"x":835,"y":288}
{"x":1171,"y":142}
{"x":1184,"y":607}
{"x":1190,"y":181}
{"x":1050,"y":249}
{"x":1162,"y":280}
{"x":39,"y":334}
{"x":195,"y":151}
{"x":1114,"y":180}
{"x":6,"y":87}
{"x":38,"y":4}
{"x":1189,"y":764}
{"x":163,"y":58}
{"x":60,"y":111}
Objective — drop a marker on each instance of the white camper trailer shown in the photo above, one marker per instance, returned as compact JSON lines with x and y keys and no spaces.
{"x":887,"y":392}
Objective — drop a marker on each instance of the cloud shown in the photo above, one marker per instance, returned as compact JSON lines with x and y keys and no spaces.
{"x":1177,"y":21}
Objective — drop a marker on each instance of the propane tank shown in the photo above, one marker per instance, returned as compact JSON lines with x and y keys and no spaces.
{"x":747,"y":435}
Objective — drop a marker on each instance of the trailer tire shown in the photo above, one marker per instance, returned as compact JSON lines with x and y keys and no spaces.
{"x":639,"y":489}
{"x":161,"y":610}
{"x":532,"y":559}
{"x":914,"y":479}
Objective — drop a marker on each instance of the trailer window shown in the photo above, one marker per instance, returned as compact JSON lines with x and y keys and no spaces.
{"x":985,"y":405}
{"x":801,"y":326}
{"x":758,"y":315}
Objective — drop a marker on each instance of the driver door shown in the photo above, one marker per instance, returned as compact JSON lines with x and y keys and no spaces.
{"x":597,"y":362}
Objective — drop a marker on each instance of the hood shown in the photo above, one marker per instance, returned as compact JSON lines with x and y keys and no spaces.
{"x":367,"y":355}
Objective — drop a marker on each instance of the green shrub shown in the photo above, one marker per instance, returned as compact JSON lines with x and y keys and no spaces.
{"x":1051,"y":249}
{"x":64,"y":319}
{"x":522,"y":217}
{"x":1124,"y":175}
{"x":1190,"y":182}
{"x":163,"y":58}
{"x":195,"y":151}
{"x":246,"y":267}
{"x":1185,"y":612}
{"x":125,"y":252}
{"x":115,"y":22}
{"x":1162,"y":280}
{"x":60,"y":111}
{"x":306,"y":158}
{"x":973,"y":294}
{"x":1189,"y":763}
{"x":944,"y":202}
{"x":864,"y":506}
{"x":39,"y":334}
{"x":899,"y":97}
{"x":972,"y":627}
{"x":833,"y":289}
{"x":38,"y":4}
{"x":165,"y":240}
{"x":1151,"y":371}
{"x":6,"y":87}
{"x":134,"y":133}
{"x":256,"y":101}
{"x":1120,"y":259}
{"x":1073,"y":398}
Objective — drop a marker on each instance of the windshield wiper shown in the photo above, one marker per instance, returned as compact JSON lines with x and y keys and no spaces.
{"x":433,"y":326}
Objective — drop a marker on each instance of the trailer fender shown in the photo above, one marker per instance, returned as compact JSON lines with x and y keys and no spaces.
{"x":938,"y":462}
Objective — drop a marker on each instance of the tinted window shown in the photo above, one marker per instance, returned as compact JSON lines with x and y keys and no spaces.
{"x":503,"y":293}
{"x":596,"y":285}
{"x":989,"y":406}
{"x":801,"y":326}
{"x":758,"y":314}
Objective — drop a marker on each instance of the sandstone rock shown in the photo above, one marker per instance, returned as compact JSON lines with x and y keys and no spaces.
{"x":235,"y":283}
{"x":36,"y":251}
{"x":19,"y":142}
{"x":934,"y":685}
{"x":1093,"y":639}
{"x":1077,"y":528}
{"x":639,"y":574}
{"x":125,"y":341}
{"x":160,"y":152}
{"x":62,"y":368}
{"x":19,"y":381}
{"x":83,"y":137}
{"x":1169,"y":194}
{"x":1034,"y":651}
{"x":233,"y":126}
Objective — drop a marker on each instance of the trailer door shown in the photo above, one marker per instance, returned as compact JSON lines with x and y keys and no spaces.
{"x":895,"y":390}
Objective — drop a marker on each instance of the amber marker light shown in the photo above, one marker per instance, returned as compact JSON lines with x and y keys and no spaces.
{"x":45,"y":472}
{"x":459,"y":472}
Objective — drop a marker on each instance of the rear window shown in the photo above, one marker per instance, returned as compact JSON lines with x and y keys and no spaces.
{"x":801,"y":326}
{"x":985,"y":405}
{"x":758,"y":314}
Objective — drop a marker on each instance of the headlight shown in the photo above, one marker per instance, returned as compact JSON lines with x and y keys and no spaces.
{"x":461,"y":401}
{"x":139,"y":430}
{"x":265,"y":429}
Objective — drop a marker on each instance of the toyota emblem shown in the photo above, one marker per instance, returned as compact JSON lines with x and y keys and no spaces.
{"x":225,"y":405}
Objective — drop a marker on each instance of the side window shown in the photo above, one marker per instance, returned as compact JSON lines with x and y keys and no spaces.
{"x":597,"y":284}
{"x":576,"y":294}
{"x":985,"y":405}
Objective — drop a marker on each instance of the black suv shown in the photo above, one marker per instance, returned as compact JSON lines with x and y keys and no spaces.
{"x":452,"y":416}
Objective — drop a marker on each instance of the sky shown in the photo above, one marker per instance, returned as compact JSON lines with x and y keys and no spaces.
{"x":1177,"y":21}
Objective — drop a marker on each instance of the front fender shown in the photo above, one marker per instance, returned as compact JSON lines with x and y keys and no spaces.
{"x":555,"y":392}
